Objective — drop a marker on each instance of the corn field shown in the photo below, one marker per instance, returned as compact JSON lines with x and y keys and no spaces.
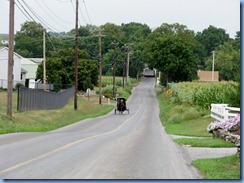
{"x":205,"y":93}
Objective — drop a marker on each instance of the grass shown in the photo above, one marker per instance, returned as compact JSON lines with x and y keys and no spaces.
{"x":219,"y":168}
{"x":46,"y":120}
{"x":195,"y":127}
{"x":180,"y":118}
{"x":204,"y":142}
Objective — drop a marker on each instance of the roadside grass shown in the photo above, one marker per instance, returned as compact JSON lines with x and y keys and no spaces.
{"x":195,"y":127}
{"x":180,"y":119}
{"x":189,"y":120}
{"x":204,"y":142}
{"x":219,"y":168}
{"x":46,"y":120}
{"x":185,"y":120}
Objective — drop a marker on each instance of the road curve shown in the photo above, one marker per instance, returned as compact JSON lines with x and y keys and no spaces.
{"x":122,"y":146}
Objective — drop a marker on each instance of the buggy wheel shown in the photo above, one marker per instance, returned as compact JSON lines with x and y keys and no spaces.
{"x":114,"y":111}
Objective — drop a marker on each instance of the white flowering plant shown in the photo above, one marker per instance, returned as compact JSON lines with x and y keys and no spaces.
{"x":231,"y":125}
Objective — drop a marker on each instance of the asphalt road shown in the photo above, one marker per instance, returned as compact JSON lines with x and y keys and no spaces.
{"x":122,"y":146}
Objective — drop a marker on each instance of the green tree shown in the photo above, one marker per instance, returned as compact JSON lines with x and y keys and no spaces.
{"x":170,"y":50}
{"x":60,"y":67}
{"x":227,"y":61}
{"x":135,"y":35}
{"x":208,"y":40}
{"x":28,"y":41}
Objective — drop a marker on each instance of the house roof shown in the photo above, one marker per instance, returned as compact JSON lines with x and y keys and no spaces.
{"x":23,"y":70}
{"x":37,"y":60}
{"x":6,"y":48}
{"x":26,"y":61}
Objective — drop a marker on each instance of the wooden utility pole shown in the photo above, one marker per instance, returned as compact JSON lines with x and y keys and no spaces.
{"x":214,"y":52}
{"x":44,"y":60}
{"x":100,"y":65}
{"x":76,"y":57}
{"x":114,"y":66}
{"x":10,"y":58}
{"x":127,"y":62}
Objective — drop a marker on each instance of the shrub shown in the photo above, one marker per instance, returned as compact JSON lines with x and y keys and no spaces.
{"x":108,"y":91}
{"x":19,"y":85}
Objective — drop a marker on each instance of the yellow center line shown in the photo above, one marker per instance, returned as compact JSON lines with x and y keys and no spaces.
{"x":66,"y":146}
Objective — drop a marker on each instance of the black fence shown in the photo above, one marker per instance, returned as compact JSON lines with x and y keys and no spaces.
{"x":35,"y":99}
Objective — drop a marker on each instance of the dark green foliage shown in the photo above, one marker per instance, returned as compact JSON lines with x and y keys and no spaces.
{"x":173,"y":49}
{"x":19,"y":85}
{"x":211,"y":38}
{"x":60,"y":68}
{"x":170,"y":50}
{"x":88,"y":84}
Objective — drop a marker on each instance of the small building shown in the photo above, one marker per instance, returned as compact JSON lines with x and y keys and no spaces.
{"x":30,"y":75}
{"x":24,"y":70}
{"x":208,"y":75}
{"x":4,"y":68}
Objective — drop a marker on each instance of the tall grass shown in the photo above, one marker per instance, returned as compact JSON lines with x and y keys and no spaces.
{"x":203,"y":94}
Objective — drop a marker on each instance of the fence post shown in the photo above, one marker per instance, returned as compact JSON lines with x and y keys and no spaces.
{"x":18,"y":100}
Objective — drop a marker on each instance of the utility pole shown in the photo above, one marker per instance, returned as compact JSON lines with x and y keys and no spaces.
{"x":127,"y":62}
{"x":124,"y":65}
{"x":114,"y":66}
{"x":100,"y":65}
{"x":10,"y":58}
{"x":213,"y":65}
{"x":76,"y":56}
{"x":44,"y":60}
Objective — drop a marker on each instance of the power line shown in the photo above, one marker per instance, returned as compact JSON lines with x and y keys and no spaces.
{"x":34,"y":19}
{"x":82,"y":14}
{"x":87,"y":12}
{"x":26,"y":11}
{"x":50,"y":15}
{"x":38,"y":17}
{"x":55,"y":14}
{"x":22,"y":12}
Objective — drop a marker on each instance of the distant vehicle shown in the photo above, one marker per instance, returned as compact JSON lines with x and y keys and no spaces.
{"x":121,"y":106}
{"x":149,"y":72}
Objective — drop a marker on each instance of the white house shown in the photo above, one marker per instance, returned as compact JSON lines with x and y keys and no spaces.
{"x":30,"y":76}
{"x":24,"y":70}
{"x":4,"y":68}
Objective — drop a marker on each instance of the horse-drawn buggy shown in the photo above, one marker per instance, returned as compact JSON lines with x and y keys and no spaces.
{"x":121,"y":106}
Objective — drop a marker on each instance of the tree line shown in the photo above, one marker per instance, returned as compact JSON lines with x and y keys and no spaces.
{"x":173,"y":49}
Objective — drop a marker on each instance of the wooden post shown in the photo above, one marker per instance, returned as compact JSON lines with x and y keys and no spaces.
{"x":76,"y":56}
{"x":10,"y":58}
{"x":44,"y":60}
{"x":100,"y":66}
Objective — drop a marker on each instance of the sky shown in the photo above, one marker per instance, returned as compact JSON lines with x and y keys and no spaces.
{"x":59,"y":15}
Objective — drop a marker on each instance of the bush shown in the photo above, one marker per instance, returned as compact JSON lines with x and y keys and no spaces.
{"x":19,"y":85}
{"x":108,"y":91}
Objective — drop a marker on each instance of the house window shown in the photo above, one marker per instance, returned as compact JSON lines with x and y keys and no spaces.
{"x":21,"y":76}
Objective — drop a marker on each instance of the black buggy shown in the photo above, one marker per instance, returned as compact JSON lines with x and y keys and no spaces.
{"x":121,"y":106}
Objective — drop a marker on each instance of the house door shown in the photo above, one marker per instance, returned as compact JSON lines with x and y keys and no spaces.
{"x":27,"y":83}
